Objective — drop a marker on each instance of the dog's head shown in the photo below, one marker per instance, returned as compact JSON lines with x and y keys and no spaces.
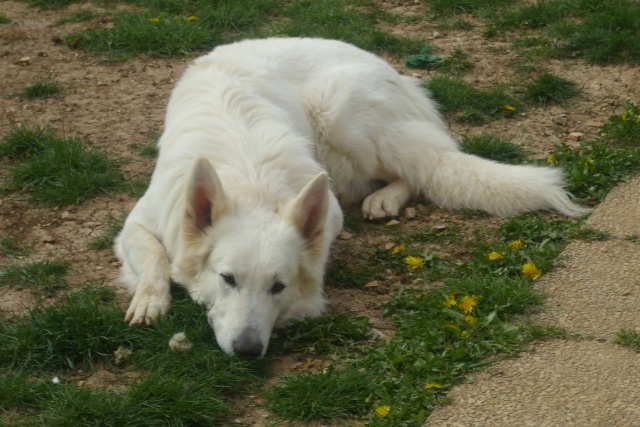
{"x":254,"y":267}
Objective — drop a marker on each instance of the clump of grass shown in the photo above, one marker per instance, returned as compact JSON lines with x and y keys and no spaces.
{"x":550,"y":89}
{"x":474,"y":105}
{"x":328,"y":396}
{"x":45,"y":276}
{"x":107,"y":239}
{"x":493,"y":147}
{"x":9,"y":246}
{"x":456,"y":63}
{"x":456,"y":24}
{"x":159,"y":36}
{"x":83,"y":330}
{"x":592,"y":233}
{"x":325,"y":334}
{"x":41,"y":89}
{"x":4,"y":19}
{"x":58,"y":171}
{"x":629,"y":338}
{"x":624,"y":129}
{"x":150,"y":150}
{"x":595,"y":167}
{"x":609,"y":32}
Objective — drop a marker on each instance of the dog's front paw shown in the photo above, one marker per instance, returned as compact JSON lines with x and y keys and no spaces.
{"x":377,"y":206}
{"x":147,"y":306}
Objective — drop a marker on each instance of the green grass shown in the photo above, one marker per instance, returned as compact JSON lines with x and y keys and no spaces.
{"x":493,"y":147}
{"x":51,"y":4}
{"x":58,"y":171}
{"x":9,"y":246}
{"x":325,"y":334}
{"x":623,"y":129}
{"x":42,"y":89}
{"x":150,"y":150}
{"x":456,"y":63}
{"x":328,"y":396}
{"x":166,"y":29}
{"x":46,"y":277}
{"x":470,"y":104}
{"x":608,"y":33}
{"x":629,"y":338}
{"x":550,"y":89}
{"x":82,"y":332}
{"x":592,"y":234}
{"x":4,"y":19}
{"x":595,"y":167}
{"x":107,"y":238}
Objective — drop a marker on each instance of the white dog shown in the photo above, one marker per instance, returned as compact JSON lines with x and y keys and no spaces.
{"x":240,"y":210}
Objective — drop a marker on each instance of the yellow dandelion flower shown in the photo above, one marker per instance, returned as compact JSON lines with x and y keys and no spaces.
{"x":550,"y":159}
{"x":155,"y":20}
{"x":464,"y":335}
{"x":467,"y":303}
{"x":515,"y":244}
{"x":493,"y":256}
{"x":448,"y":348}
{"x":383,"y":410}
{"x":414,"y":262}
{"x":624,"y":116}
{"x":450,"y":301}
{"x":432,"y":385}
{"x":191,"y":18}
{"x":469,"y":319}
{"x":509,"y":107}
{"x":398,"y":249}
{"x":639,"y":117}
{"x":531,"y":271}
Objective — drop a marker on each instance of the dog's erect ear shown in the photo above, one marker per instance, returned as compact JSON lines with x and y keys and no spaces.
{"x":206,"y":201}
{"x":309,"y":209}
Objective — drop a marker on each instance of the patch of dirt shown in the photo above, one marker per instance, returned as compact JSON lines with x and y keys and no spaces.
{"x":119,"y":107}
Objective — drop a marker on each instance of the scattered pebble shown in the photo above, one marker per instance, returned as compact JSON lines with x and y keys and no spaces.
{"x":121,"y":355}
{"x":410,"y":213}
{"x":393,"y":222}
{"x":55,"y":380}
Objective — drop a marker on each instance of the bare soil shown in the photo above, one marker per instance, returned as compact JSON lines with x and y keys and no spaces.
{"x":119,"y":107}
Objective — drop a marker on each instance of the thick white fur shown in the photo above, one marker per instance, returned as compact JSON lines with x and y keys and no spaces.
{"x":266,"y":118}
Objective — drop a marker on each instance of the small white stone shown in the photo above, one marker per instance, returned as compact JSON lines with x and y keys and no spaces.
{"x":55,"y":380}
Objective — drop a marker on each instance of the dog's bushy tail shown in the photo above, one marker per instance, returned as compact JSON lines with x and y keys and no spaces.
{"x":459,"y":180}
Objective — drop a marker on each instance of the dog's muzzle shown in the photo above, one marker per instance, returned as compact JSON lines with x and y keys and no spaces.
{"x":248,"y":344}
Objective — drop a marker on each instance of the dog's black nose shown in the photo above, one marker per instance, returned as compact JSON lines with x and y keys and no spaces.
{"x":248,"y":344}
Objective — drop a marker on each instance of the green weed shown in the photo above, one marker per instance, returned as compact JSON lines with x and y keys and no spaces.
{"x":592,"y":234}
{"x":4,"y":19}
{"x":493,"y":147}
{"x":550,"y":89}
{"x":474,"y":105}
{"x":150,"y":150}
{"x":42,"y":89}
{"x":46,"y":277}
{"x":456,"y":63}
{"x":58,"y":171}
{"x":593,"y":168}
{"x":624,"y":129}
{"x":635,"y":238}
{"x":51,"y":4}
{"x":629,"y":338}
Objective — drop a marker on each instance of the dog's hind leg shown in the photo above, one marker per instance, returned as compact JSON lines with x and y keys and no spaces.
{"x":145,"y":270}
{"x":387,"y":201}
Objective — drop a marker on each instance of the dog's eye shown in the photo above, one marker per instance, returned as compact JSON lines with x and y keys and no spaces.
{"x":229,"y":279}
{"x":277,"y":288}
